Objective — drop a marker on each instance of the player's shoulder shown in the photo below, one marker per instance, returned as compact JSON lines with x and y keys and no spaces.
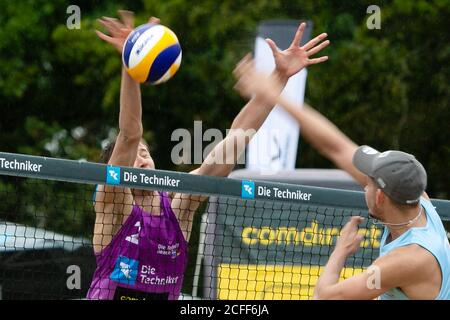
{"x":410,"y":257}
{"x":404,"y":265}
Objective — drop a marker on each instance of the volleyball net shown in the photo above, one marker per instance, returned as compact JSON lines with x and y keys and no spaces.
{"x":250,"y":239}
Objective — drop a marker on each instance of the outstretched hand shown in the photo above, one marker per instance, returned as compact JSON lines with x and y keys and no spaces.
{"x":119,"y":30}
{"x":251,"y":82}
{"x":290,"y":61}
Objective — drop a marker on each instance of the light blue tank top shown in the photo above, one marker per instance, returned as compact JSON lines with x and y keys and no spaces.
{"x":433,"y":238}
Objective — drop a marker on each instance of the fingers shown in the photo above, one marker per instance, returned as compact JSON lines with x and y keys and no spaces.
{"x":244,"y":85}
{"x":127,"y":17}
{"x":298,"y":35}
{"x":356,"y":220}
{"x":103,"y":22}
{"x":353,"y":223}
{"x":113,"y":22}
{"x":104,"y":37}
{"x":243,"y":66}
{"x":318,"y":48}
{"x":112,"y":25}
{"x":359,"y":238}
{"x":317,"y":60}
{"x":241,"y":89}
{"x":124,"y":32}
{"x":312,"y":43}
{"x":244,"y":73}
{"x":154,"y":20}
{"x":272,"y":46}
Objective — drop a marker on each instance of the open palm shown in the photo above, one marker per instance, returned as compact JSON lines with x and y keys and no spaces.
{"x":119,"y":29}
{"x":290,"y":61}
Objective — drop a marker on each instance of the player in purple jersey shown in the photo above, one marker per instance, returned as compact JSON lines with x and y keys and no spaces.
{"x":140,"y":236}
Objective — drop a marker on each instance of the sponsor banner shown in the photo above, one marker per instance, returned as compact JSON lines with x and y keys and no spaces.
{"x":96,"y":173}
{"x":17,"y":165}
{"x":271,"y":282}
{"x":267,"y":233}
{"x":252,"y":190}
{"x":276,"y":250}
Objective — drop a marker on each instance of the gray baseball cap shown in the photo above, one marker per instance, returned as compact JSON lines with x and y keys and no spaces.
{"x":397,"y":173}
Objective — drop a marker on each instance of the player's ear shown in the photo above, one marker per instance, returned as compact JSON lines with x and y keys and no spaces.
{"x":380,"y":197}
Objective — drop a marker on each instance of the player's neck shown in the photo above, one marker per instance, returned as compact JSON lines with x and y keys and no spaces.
{"x":417,"y":218}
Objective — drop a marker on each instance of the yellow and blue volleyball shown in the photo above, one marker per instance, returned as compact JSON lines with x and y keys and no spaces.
{"x":152,"y":54}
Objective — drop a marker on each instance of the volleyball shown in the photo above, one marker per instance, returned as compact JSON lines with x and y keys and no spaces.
{"x":151,"y":54}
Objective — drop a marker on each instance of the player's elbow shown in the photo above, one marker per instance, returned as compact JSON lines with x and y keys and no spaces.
{"x":327,"y":293}
{"x":319,"y":295}
{"x":131,"y":136}
{"x":218,"y":170}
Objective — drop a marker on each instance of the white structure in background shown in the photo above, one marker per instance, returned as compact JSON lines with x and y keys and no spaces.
{"x":274,"y":147}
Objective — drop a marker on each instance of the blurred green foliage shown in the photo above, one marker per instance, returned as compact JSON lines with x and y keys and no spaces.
{"x":59,"y":88}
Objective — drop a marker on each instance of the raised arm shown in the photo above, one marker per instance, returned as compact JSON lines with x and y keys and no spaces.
{"x":130,"y":115}
{"x":223,"y":157}
{"x":112,"y":204}
{"x":316,"y":129}
{"x":323,"y":135}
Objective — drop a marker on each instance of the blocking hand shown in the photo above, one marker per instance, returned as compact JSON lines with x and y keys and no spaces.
{"x":119,"y":29}
{"x":290,"y":61}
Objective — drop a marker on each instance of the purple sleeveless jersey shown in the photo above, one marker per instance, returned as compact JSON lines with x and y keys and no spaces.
{"x":146,"y":259}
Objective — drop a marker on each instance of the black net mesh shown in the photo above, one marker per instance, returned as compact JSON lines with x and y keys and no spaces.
{"x":63,"y":240}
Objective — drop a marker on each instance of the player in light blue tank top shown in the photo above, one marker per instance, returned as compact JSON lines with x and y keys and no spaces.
{"x":414,"y":257}
{"x":417,"y":259}
{"x":433,"y":238}
{"x":415,"y":253}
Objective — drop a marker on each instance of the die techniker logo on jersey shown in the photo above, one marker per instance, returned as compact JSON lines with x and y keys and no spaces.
{"x":172,"y":250}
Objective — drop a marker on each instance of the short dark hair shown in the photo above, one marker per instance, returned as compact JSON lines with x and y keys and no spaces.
{"x":107,"y":151}
{"x":400,"y":206}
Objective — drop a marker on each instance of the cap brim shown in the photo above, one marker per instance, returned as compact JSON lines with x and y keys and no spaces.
{"x":364,"y":158}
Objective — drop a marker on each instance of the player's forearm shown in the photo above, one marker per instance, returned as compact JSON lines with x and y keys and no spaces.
{"x":253,"y":115}
{"x":329,"y":276}
{"x":318,"y":130}
{"x":256,"y":111}
{"x":130,"y":117}
{"x":249,"y":121}
{"x":324,"y":136}
{"x":222,"y":159}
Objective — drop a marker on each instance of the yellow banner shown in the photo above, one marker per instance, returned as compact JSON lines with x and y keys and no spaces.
{"x":271,"y":282}
{"x":314,"y":235}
